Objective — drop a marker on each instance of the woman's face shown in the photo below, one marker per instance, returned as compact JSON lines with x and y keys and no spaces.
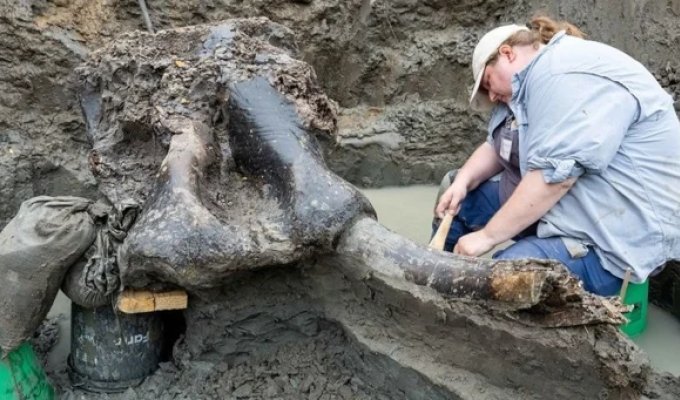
{"x":497,"y":80}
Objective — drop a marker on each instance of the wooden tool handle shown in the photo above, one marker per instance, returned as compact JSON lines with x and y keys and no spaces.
{"x":439,"y":238}
{"x":624,"y":286}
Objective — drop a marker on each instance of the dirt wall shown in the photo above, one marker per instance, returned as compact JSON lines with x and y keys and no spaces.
{"x":398,"y":69}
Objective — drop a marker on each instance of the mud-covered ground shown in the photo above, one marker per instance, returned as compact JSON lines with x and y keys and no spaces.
{"x":241,"y":345}
{"x":319,"y":334}
{"x":322,"y":366}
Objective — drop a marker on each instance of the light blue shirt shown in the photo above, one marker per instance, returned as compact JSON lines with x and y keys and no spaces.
{"x":587,"y":110}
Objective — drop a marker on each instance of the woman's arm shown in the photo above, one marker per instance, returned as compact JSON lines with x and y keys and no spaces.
{"x":482,"y":165}
{"x":531,"y":200}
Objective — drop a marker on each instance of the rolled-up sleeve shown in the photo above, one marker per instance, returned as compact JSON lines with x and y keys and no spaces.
{"x":576,"y":123}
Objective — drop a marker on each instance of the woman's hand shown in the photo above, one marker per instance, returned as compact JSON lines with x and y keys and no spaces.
{"x":451,"y":200}
{"x":482,"y":165}
{"x":474,"y":244}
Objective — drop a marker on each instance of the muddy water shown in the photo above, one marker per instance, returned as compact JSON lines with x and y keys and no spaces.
{"x":408,"y":211}
{"x":61,"y":309}
{"x":405,"y":210}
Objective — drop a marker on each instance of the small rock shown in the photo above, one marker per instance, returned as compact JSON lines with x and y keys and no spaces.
{"x":244,"y":390}
{"x":306,"y":384}
{"x":317,"y":391}
{"x":272,"y":389}
{"x":346,"y":392}
{"x":356,"y":381}
{"x":261,"y":58}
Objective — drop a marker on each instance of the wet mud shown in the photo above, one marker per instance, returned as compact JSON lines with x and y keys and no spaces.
{"x":239,"y":344}
{"x":324,"y":333}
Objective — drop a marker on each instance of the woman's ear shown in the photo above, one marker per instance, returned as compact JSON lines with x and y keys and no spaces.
{"x":505,"y":51}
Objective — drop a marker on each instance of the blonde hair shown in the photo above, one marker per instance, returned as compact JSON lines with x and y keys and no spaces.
{"x":541,"y":29}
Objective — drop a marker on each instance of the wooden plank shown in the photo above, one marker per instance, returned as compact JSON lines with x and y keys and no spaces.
{"x":141,"y":301}
{"x":131,"y":301}
{"x":175,"y":300}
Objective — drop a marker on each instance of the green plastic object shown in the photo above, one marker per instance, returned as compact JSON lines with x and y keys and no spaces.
{"x":637,"y":295}
{"x":22,"y":377}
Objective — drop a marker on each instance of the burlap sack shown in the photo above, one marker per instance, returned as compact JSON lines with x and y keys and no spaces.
{"x":37,"y":247}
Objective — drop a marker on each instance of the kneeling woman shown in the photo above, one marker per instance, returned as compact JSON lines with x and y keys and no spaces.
{"x":586,"y":142}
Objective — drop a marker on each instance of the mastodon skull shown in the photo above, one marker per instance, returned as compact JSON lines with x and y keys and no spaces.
{"x":212,"y":130}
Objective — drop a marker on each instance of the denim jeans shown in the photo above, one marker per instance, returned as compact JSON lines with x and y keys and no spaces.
{"x":482,"y":203}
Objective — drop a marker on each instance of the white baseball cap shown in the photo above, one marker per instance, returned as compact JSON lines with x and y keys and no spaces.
{"x":486,"y":48}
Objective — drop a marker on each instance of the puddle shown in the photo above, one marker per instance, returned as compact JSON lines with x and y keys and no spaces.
{"x":61,"y":309}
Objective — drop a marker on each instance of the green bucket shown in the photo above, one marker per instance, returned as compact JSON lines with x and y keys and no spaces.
{"x":637,"y":296}
{"x":22,"y":376}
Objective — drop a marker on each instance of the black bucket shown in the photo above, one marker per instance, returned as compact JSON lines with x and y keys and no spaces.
{"x":111,"y":351}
